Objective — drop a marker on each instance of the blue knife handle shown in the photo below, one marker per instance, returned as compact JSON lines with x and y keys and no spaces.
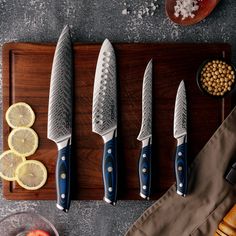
{"x":63,"y":178}
{"x":109,"y":170}
{"x":181,"y":169}
{"x":145,"y":171}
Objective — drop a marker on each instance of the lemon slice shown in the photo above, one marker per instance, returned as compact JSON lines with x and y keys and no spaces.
{"x":23,"y":141}
{"x":9,"y":161}
{"x":20,"y":115}
{"x":31,"y":174}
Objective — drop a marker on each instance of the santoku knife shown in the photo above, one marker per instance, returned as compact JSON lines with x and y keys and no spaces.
{"x":145,"y":134}
{"x":180,"y":133}
{"x":104,"y":117}
{"x":60,"y":115}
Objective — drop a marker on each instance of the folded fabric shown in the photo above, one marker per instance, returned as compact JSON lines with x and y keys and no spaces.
{"x":210,"y":195}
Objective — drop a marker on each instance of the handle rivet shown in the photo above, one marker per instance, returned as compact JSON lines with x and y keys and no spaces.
{"x":109,"y":169}
{"x":144,"y":170}
{"x":144,"y":155}
{"x":180,"y":168}
{"x":144,"y":187}
{"x":181,"y":185}
{"x":63,"y":175}
{"x":109,"y":151}
{"x":110,"y":189}
{"x":63,"y":158}
{"x":63,"y":195}
{"x":180,"y":153}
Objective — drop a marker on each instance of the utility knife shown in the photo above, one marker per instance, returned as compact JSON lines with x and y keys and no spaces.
{"x":180,"y":133}
{"x":145,"y":134}
{"x":104,"y":117}
{"x":59,"y":127}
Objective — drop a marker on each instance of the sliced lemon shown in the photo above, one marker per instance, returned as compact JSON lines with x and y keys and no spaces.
{"x":31,"y":174}
{"x":9,"y":161}
{"x":23,"y":141}
{"x":20,"y":115}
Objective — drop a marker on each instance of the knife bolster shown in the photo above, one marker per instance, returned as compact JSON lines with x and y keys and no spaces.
{"x":181,"y":140}
{"x":109,"y":136}
{"x":147,"y":141}
{"x":62,"y":144}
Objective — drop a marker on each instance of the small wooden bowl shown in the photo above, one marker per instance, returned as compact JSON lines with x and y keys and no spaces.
{"x":199,"y":82}
{"x":205,"y":8}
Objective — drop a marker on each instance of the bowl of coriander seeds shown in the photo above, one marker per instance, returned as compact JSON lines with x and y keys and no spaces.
{"x":216,"y":77}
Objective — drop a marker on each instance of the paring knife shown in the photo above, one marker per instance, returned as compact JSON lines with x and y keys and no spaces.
{"x":145,"y":134}
{"x":60,"y":115}
{"x":180,"y":133}
{"x":104,"y":117}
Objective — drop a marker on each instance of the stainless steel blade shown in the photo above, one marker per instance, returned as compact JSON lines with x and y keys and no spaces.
{"x":60,"y":95}
{"x":104,"y":117}
{"x":180,"y":116}
{"x":146,"y":127}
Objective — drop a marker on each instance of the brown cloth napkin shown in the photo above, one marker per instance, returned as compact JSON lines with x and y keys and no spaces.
{"x":210,"y":195}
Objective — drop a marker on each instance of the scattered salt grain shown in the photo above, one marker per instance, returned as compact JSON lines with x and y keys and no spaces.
{"x":147,"y":9}
{"x":185,"y":8}
{"x":125,"y":11}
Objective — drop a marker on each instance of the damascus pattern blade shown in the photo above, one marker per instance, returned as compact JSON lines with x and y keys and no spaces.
{"x":60,"y":95}
{"x":146,"y":127}
{"x":104,"y":117}
{"x":180,"y":117}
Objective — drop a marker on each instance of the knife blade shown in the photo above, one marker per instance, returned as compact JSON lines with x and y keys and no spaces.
{"x":180,"y":133}
{"x":60,"y":115}
{"x":104,"y":117}
{"x":145,"y":134}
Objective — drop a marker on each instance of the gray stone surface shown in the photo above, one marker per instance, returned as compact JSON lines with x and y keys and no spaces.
{"x":92,"y":21}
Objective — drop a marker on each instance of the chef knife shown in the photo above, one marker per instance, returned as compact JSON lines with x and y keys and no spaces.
{"x":60,"y":115}
{"x":145,"y":134}
{"x":180,"y":133}
{"x":104,"y":117}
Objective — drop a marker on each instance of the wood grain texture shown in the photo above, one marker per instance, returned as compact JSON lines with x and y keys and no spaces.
{"x":26,"y":77}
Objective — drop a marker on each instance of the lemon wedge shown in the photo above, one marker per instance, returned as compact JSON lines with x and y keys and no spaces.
{"x":23,"y":141}
{"x":20,"y":115}
{"x":9,"y":161}
{"x":31,"y":174}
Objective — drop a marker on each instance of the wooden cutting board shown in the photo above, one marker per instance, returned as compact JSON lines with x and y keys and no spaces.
{"x":26,"y":77}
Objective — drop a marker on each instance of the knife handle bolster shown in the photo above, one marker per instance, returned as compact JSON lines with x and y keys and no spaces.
{"x":181,"y":169}
{"x":145,"y":171}
{"x":63,"y":177}
{"x":109,"y":168}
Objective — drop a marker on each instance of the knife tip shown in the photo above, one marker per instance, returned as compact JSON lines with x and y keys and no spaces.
{"x":181,"y":83}
{"x":106,"y":42}
{"x":65,"y":36}
{"x":181,"y":87}
{"x":150,"y":62}
{"x":66,"y":29}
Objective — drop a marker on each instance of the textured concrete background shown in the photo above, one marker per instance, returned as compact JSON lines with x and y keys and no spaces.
{"x":92,"y":21}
